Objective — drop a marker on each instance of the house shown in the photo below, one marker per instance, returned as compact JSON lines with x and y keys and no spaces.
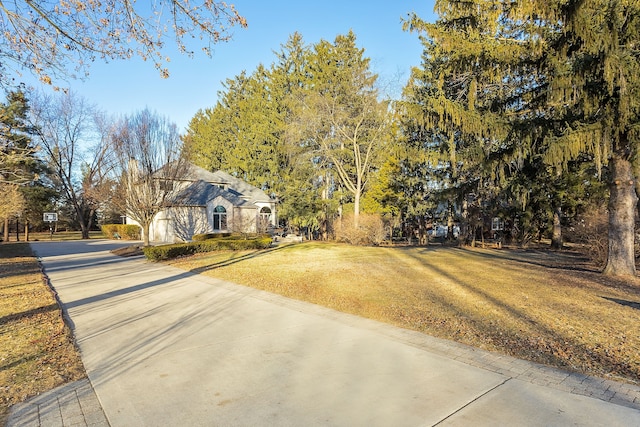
{"x":212,"y":202}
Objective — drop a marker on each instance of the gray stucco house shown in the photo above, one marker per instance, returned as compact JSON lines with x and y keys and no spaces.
{"x":213,"y":202}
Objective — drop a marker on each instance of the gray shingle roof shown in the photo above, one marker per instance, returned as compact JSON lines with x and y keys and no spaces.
{"x":233,"y":184}
{"x":201,"y":192}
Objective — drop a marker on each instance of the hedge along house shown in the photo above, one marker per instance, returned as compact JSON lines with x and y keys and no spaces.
{"x":212,"y":202}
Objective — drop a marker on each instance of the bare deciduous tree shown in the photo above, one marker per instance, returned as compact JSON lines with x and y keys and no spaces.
{"x":149,"y":165}
{"x":244,"y":222}
{"x":51,"y":38}
{"x":76,"y":150}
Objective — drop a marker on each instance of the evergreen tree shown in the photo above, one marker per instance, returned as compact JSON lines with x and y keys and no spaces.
{"x":449,"y":116}
{"x":19,"y":167}
{"x":202,"y":142}
{"x":240,"y":134}
{"x":553,"y":79}
{"x":595,"y":72}
{"x":307,"y":129}
{"x":300,"y":191}
{"x":17,"y":160}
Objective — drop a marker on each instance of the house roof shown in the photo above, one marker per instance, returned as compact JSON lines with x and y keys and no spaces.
{"x":201,"y":192}
{"x":235,"y":185}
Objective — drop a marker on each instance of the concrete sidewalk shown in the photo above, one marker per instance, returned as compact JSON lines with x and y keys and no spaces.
{"x":73,"y":404}
{"x":166,"y":347}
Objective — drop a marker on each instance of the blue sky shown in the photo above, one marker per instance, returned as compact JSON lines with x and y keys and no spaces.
{"x":124,"y":87}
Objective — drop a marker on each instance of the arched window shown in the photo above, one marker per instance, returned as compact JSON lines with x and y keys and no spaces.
{"x":264,"y":219}
{"x":219,"y":218}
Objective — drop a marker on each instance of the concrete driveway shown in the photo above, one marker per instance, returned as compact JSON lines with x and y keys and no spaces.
{"x":164,"y":347}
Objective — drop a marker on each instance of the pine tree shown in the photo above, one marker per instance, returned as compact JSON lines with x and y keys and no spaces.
{"x":449,"y":115}
{"x":595,"y":72}
{"x":17,"y":161}
{"x":19,"y":167}
{"x":308,"y":129}
{"x":557,"y":79}
{"x":300,"y":192}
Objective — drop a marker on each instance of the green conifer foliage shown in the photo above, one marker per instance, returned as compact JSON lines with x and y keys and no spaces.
{"x":516,"y":82}
{"x":309,"y":130}
{"x":19,"y":166}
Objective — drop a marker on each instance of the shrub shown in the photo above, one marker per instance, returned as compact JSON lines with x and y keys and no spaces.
{"x":164,"y":252}
{"x":591,"y":232}
{"x":370,"y":230}
{"x":375,"y":228}
{"x":207,"y":236}
{"x":109,"y":230}
{"x":129,"y":231}
{"x":125,"y":231}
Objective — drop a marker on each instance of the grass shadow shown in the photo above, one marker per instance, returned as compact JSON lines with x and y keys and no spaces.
{"x":569,"y":261}
{"x":241,"y":258}
{"x":22,"y":360}
{"x":549,"y":347}
{"x":16,"y":316}
{"x":626,"y":303}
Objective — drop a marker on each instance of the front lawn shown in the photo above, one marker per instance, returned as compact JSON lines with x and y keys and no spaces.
{"x":548,"y":307}
{"x":37,"y":352}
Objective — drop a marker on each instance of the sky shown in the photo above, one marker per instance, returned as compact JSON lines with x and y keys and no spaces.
{"x":125,"y":87}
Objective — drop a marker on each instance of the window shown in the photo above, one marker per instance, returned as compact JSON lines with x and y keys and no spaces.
{"x":219,"y":218}
{"x":497,"y":224}
{"x":264,"y":219}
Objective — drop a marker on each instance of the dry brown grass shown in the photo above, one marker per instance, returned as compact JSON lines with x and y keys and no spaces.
{"x":59,"y":236}
{"x":547,"y":307}
{"x":37,"y":352}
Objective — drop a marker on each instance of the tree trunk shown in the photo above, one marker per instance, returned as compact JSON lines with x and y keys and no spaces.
{"x":464,"y":224}
{"x":84,"y":229}
{"x":622,"y":204}
{"x":324,"y":226}
{"x":450,"y":222}
{"x":89,"y":223}
{"x":5,"y":238}
{"x":145,"y":233}
{"x":26,"y":230}
{"x":556,"y":237}
{"x":80,"y":214}
{"x":356,"y":208}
